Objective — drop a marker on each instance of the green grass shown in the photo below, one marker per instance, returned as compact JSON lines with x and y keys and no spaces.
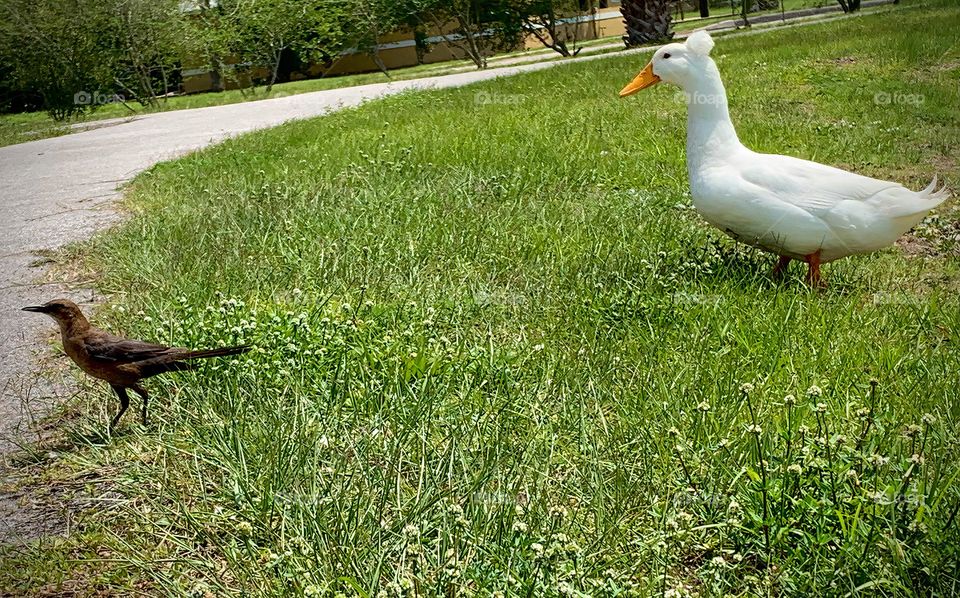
{"x":498,"y":351}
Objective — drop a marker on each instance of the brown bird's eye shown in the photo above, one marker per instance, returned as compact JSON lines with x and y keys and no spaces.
{"x":667,"y":55}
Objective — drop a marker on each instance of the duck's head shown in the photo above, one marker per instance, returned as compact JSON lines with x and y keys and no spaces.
{"x":680,"y":64}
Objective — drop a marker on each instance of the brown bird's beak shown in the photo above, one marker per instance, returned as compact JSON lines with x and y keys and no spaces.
{"x":40,"y":309}
{"x":645,"y":79}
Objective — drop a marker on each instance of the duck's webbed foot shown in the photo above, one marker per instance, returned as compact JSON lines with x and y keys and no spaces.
{"x":813,"y":271}
{"x":780,"y":270}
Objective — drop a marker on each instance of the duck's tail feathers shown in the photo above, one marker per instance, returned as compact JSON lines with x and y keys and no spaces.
{"x":930,"y":197}
{"x":899,"y":202}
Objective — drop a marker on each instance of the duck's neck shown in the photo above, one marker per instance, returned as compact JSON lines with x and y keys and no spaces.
{"x":710,"y":133}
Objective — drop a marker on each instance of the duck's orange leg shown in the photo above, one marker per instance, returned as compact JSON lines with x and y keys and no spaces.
{"x":813,"y":270}
{"x":780,"y":269}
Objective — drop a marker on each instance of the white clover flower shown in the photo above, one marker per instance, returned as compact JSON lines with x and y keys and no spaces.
{"x":703,"y":406}
{"x":814,"y":392}
{"x":912,"y":431}
{"x":789,"y":400}
{"x":916,"y":459}
{"x":928,"y":419}
{"x":917,"y":526}
{"x":795,"y":469}
{"x":519,"y":526}
{"x":411,"y":530}
{"x":746,"y":388}
{"x":821,"y":408}
{"x":754,"y":429}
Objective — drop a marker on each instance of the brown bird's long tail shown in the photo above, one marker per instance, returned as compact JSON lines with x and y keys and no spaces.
{"x":182,"y":362}
{"x":223,"y":352}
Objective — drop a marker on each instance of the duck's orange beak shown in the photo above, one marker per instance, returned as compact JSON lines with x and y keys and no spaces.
{"x":645,"y":79}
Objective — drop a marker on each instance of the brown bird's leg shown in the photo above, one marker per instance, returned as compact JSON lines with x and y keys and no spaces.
{"x":813,"y":270}
{"x":143,"y":393}
{"x":780,"y":269}
{"x":124,"y":403}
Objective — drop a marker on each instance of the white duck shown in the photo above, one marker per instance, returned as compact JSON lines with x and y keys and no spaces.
{"x":795,"y":208}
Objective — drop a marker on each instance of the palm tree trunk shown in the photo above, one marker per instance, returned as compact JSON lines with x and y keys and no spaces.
{"x":646,"y":21}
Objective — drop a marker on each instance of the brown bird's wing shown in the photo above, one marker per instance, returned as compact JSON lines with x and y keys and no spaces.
{"x":118,"y":350}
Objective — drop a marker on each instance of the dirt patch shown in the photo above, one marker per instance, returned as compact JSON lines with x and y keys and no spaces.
{"x":938,"y":235}
{"x":29,"y":512}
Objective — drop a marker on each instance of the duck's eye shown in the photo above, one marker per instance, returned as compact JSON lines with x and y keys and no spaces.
{"x":667,"y":55}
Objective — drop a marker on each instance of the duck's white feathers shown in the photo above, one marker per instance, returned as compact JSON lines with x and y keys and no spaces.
{"x":796,"y":207}
{"x":819,"y":188}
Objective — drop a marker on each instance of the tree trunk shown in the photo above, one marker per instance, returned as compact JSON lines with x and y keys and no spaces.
{"x":646,"y":21}
{"x":472,"y":47}
{"x":548,"y":41}
{"x":704,"y":8}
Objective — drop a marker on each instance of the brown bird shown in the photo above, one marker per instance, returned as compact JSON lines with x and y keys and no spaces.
{"x":121,"y":362}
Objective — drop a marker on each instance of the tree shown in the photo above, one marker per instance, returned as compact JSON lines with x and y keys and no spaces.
{"x":479,"y":27}
{"x":554,"y":23}
{"x":370,"y":19}
{"x":646,"y":21}
{"x":849,"y":5}
{"x":258,"y":36}
{"x":56,"y":52}
{"x":148,"y":44}
{"x":77,"y":54}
